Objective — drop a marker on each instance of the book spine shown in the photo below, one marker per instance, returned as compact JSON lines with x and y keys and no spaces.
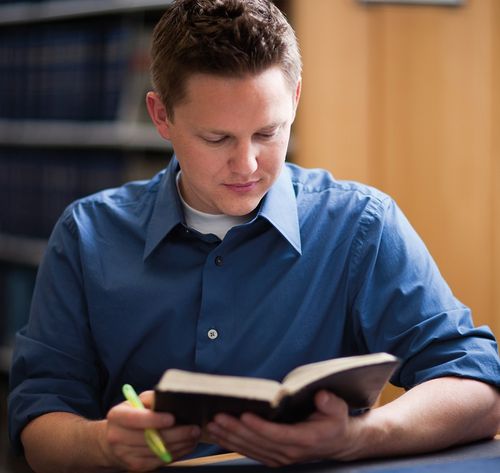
{"x":37,"y":185}
{"x":65,"y":71}
{"x":115,"y":67}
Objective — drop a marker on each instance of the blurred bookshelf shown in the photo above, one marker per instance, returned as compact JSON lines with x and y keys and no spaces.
{"x":73,"y":76}
{"x":54,"y":133}
{"x":12,"y":12}
{"x":5,"y":358}
{"x":20,"y":249}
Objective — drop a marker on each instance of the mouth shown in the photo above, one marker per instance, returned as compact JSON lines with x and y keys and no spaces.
{"x":242,"y":186}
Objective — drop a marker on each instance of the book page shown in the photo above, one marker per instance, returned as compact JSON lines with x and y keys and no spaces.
{"x":251,"y":388}
{"x":306,"y":374}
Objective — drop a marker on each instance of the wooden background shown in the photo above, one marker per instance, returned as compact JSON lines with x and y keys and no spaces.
{"x":407,"y":98}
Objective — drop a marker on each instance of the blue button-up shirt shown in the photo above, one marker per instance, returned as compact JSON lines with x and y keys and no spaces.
{"x":325,"y":269}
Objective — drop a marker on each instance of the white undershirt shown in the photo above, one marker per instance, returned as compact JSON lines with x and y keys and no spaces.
{"x":218,"y":224}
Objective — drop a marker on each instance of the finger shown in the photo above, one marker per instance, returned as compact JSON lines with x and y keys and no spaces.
{"x":283,"y":434}
{"x":141,"y":450}
{"x":181,"y":434}
{"x":138,"y":448}
{"x":147,"y":398}
{"x":137,"y":458}
{"x":135,"y":453}
{"x":330,"y":405}
{"x":234,"y":443}
{"x":181,"y":449}
{"x":230,"y":432}
{"x":284,"y":443}
{"x":233,"y":435}
{"x":129,"y":417}
{"x":250,"y":429}
{"x":254,"y":451}
{"x":130,"y":438}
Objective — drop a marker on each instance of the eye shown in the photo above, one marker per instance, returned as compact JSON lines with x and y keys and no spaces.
{"x":215,"y":141}
{"x":267,"y":135}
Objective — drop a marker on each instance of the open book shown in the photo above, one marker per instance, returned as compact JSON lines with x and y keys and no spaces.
{"x":194,"y":398}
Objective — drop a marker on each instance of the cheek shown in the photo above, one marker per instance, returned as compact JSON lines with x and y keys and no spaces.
{"x":205,"y":168}
{"x":276,"y":156}
{"x":190,"y":156}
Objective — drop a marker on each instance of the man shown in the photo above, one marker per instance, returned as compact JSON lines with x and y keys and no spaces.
{"x":232,"y":262}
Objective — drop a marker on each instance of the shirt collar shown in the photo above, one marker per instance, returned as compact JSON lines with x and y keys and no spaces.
{"x":279,"y":207}
{"x":167,"y":212}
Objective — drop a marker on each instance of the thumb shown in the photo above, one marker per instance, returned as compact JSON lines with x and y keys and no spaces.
{"x":330,"y":405}
{"x":147,"y":398}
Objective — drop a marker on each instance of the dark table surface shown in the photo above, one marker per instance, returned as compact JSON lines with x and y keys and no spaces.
{"x":482,"y":457}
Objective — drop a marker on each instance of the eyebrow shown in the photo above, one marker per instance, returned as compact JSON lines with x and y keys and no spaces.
{"x":264,"y":128}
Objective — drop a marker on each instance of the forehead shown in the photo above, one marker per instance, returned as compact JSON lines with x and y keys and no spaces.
{"x":263,"y":96}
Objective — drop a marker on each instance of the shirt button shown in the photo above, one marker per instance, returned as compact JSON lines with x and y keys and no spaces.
{"x":219,"y":260}
{"x":212,"y":334}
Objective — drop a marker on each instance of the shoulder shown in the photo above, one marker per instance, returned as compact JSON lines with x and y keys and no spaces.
{"x":318,"y":190}
{"x":129,"y":202}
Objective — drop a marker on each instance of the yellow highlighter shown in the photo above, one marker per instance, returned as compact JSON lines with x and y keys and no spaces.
{"x":152,"y":436}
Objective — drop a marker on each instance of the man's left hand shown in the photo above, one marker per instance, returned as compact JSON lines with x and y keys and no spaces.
{"x":328,"y":433}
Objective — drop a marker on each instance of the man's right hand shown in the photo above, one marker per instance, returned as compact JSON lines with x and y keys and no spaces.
{"x":124,"y":442}
{"x":62,"y":441}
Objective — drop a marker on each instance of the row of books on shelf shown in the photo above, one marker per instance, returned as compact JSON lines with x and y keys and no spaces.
{"x":37,"y":185}
{"x":8,"y":2}
{"x":73,"y":70}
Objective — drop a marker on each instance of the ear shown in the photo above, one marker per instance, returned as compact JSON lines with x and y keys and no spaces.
{"x":296,"y":96}
{"x":298,"y":90}
{"x":158,"y":114}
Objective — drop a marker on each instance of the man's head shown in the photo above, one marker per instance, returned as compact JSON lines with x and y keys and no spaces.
{"x":227,"y":38}
{"x":227,"y":80}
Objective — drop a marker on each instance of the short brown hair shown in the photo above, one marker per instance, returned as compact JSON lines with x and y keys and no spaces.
{"x":222,"y":37}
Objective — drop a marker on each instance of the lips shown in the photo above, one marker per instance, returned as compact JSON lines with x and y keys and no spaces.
{"x":242,"y":186}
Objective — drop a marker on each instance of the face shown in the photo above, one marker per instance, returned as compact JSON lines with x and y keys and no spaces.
{"x":230,"y":136}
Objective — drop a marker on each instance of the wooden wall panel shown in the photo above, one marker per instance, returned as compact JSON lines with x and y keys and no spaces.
{"x":335,"y":89}
{"x":406,"y":98}
{"x":436,"y":135}
{"x":495,"y":166}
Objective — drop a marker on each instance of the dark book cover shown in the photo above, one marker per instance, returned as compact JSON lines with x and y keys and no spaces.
{"x":359,"y":387}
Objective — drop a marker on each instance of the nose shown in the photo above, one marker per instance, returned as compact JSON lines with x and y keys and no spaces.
{"x":243,"y":160}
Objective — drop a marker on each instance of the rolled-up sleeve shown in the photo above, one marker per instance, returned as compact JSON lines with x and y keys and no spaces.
{"x":404,"y":306}
{"x":54,"y":366}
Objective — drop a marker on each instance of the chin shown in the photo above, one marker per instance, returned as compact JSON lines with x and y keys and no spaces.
{"x":240,"y":211}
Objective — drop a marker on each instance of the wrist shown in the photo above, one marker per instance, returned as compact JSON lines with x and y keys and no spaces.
{"x":370,"y":434}
{"x":95,"y":452}
{"x":105,"y":459}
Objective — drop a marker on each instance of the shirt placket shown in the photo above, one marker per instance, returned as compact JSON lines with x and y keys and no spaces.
{"x":213,"y":335}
